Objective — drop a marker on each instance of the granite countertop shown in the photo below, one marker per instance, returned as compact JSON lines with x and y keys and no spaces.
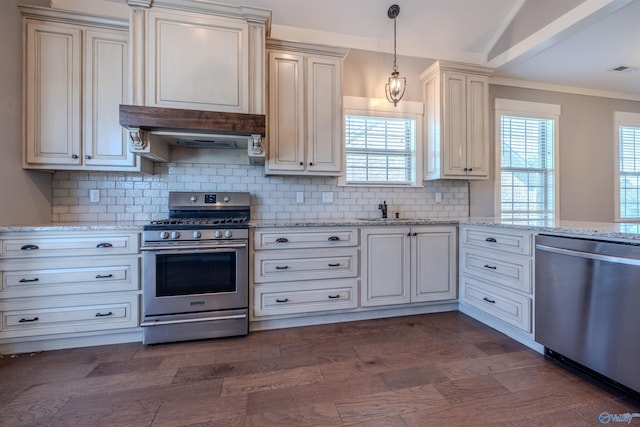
{"x":609,"y":230}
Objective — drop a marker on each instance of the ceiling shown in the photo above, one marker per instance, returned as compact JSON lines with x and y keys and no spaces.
{"x":571,"y":43}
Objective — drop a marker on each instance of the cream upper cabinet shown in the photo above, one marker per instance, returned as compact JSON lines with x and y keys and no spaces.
{"x":198,"y":55}
{"x":457,"y":121}
{"x":305,"y":109}
{"x":75,"y":79}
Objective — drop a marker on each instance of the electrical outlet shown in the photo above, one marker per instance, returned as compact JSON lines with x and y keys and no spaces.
{"x":327,"y":197}
{"x":299,"y":197}
{"x":94,"y":196}
{"x":438,"y":197}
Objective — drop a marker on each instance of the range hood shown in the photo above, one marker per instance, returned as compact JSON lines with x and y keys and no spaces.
{"x":164,"y":134}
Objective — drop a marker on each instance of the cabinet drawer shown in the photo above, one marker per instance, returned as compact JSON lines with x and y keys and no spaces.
{"x":271,"y":266}
{"x":86,"y":244}
{"x":513,"y":241}
{"x":74,"y":314}
{"x":501,"y":303}
{"x":41,"y":278}
{"x":290,"y":238}
{"x":314,"y":296}
{"x":508,"y":270}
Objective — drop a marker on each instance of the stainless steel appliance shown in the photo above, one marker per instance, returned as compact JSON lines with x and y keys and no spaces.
{"x":588,"y":306}
{"x":195,"y":280}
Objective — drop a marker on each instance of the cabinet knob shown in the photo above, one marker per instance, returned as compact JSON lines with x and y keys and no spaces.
{"x":74,"y":156}
{"x":310,"y":163}
{"x":301,"y":163}
{"x":282,"y":240}
{"x":86,"y":156}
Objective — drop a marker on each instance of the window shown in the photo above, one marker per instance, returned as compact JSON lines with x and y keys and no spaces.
{"x":381,"y":142}
{"x":627,"y":183}
{"x":527,"y":138}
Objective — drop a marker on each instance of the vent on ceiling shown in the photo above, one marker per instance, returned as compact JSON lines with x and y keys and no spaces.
{"x":624,"y":69}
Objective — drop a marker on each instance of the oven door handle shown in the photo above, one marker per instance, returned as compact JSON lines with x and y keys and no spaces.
{"x":199,"y":248}
{"x":202,"y":319}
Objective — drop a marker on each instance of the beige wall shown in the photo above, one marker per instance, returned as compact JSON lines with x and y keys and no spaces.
{"x":365,"y":74}
{"x":25,"y":196}
{"x":586,"y":153}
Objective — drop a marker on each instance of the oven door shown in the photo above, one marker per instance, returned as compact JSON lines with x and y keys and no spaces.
{"x":194,"y":279}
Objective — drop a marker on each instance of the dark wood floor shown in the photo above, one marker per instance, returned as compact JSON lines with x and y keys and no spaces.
{"x":441,"y":369}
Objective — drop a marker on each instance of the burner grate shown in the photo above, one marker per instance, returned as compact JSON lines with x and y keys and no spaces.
{"x":202,"y":221}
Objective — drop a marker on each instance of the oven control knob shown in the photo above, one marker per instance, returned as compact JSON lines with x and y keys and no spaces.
{"x":225,"y":199}
{"x":196,"y":234}
{"x":218,"y":234}
{"x":227,"y":234}
{"x":175,"y":234}
{"x":164,"y":234}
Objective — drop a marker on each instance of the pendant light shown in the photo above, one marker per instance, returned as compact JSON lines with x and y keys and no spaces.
{"x":394,"y":89}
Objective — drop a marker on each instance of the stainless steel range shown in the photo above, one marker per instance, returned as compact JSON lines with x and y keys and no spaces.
{"x":195,"y":280}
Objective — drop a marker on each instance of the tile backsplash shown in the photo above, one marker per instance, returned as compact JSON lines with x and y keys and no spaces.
{"x":128,"y":196}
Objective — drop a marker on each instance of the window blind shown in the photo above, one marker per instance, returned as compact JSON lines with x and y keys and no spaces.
{"x":379,"y":150}
{"x":629,"y":145}
{"x":526,"y":168}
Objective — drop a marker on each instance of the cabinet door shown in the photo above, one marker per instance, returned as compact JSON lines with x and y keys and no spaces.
{"x":477,"y":126}
{"x":197,"y":61}
{"x":286,"y":112}
{"x":433,"y":264}
{"x":454,"y":123}
{"x":52,"y":89}
{"x":104,"y":89}
{"x":385,"y":266}
{"x":324,"y":115}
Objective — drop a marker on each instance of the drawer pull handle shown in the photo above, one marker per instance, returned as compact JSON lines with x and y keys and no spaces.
{"x":29,"y":248}
{"x":104,"y":276}
{"x":104,"y":245}
{"x":282,"y":300}
{"x":492,"y":301}
{"x":29,"y":280}
{"x":282,"y":240}
{"x":23,"y":320}
{"x":490,"y":267}
{"x":104,"y":314}
{"x":337,"y":264}
{"x":490,"y":239}
{"x":334,"y":296}
{"x":334,"y":238}
{"x":282,"y":267}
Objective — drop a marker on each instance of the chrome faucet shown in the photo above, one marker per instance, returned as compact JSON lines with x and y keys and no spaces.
{"x":383,"y":207}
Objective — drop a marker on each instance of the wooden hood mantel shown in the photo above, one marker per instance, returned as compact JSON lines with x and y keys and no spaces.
{"x":176,"y":119}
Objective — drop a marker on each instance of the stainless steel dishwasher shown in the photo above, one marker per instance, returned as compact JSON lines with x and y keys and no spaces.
{"x":587,"y":306}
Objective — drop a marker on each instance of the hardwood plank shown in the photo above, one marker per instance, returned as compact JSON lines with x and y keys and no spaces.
{"x":271,"y":380}
{"x":412,"y":377}
{"x":380,"y":405}
{"x":477,"y":387}
{"x":340,"y":388}
{"x":321,"y":415}
{"x":490,"y":364}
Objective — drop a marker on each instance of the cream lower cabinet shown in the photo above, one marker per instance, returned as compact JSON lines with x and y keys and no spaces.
{"x":305,"y":109}
{"x":75,"y":78}
{"x":403,"y":265}
{"x":304,"y":271}
{"x":60,"y":289}
{"x":496,"y":275}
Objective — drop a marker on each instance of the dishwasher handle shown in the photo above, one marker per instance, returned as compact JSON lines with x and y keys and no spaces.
{"x":589,"y":255}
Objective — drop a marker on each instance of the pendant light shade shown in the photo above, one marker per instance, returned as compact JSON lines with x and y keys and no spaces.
{"x":394,"y":89}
